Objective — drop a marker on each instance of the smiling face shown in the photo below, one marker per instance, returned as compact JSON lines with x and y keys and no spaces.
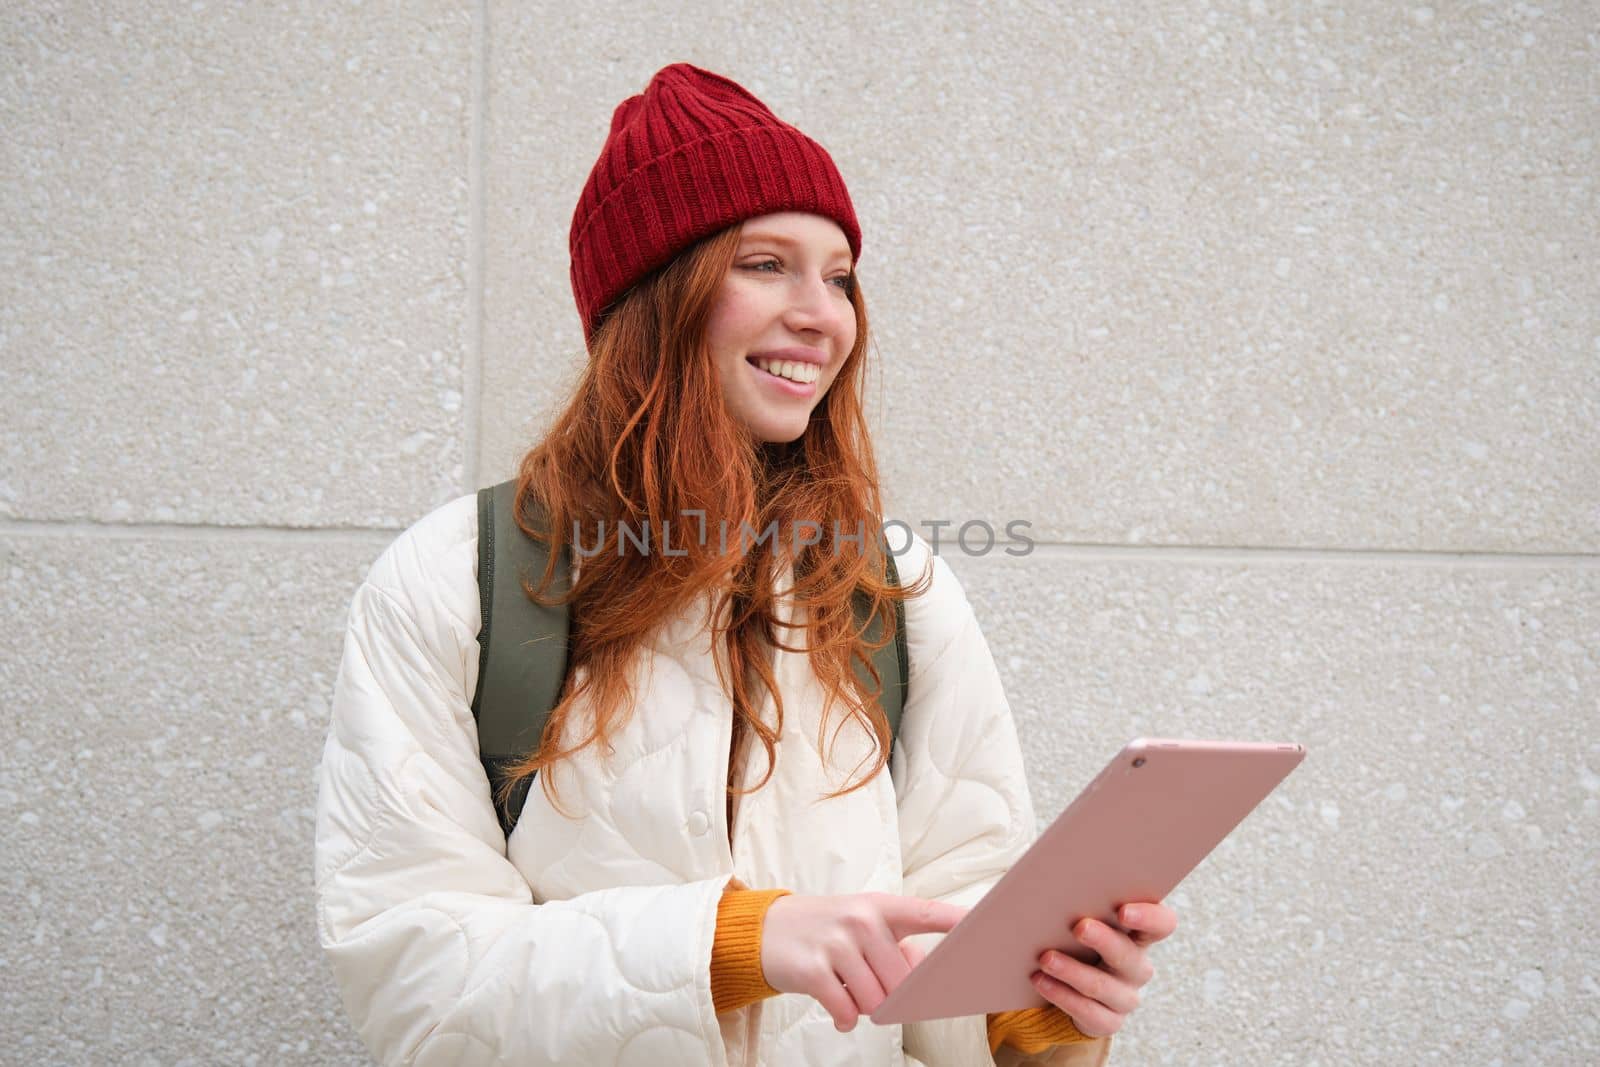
{"x":782,"y":323}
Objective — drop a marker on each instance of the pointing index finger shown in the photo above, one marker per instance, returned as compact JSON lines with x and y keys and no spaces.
{"x":913,"y":915}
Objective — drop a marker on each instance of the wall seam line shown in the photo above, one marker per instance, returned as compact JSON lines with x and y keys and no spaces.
{"x":1079,"y":551}
{"x":472,"y":364}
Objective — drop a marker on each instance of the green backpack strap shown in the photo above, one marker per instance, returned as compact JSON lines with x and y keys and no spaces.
{"x":522,"y":646}
{"x":890,"y":660}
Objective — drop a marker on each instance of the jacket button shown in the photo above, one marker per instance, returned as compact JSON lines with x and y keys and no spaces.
{"x":698,"y":823}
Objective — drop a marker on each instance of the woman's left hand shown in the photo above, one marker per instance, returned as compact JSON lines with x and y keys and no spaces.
{"x":1099,"y":997}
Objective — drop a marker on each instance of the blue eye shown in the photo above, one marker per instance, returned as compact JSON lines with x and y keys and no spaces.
{"x":848,"y":280}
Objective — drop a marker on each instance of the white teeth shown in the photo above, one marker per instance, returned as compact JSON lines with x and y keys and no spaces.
{"x":794,"y":370}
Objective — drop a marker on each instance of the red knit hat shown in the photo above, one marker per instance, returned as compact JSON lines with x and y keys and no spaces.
{"x":691,"y":155}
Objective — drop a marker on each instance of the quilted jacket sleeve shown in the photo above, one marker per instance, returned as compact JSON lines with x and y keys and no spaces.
{"x":964,"y":807}
{"x":438,"y":950}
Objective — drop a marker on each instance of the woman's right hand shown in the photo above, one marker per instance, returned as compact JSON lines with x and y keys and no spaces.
{"x":845,"y":950}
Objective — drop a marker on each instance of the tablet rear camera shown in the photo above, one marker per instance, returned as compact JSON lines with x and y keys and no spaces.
{"x":1138,"y":761}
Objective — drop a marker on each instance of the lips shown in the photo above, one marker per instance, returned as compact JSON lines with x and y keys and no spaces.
{"x":756,"y":360}
{"x":798,"y":355}
{"x":799,"y":370}
{"x":776,"y":381}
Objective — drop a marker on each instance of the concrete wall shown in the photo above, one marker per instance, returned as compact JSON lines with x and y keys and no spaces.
{"x":1279,"y":322}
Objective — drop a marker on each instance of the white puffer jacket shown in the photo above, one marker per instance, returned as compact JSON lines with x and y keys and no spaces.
{"x":588,"y":941}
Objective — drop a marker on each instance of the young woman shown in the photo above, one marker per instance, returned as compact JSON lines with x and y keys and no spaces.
{"x":723,"y":864}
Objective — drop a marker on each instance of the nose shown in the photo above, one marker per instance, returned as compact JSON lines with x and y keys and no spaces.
{"x":816,"y":306}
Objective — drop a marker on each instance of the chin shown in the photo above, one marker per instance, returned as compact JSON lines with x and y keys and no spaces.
{"x":777,"y":429}
{"x":775,"y":435}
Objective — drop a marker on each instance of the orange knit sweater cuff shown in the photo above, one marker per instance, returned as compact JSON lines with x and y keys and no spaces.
{"x":736,"y":978}
{"x":1032,"y":1030}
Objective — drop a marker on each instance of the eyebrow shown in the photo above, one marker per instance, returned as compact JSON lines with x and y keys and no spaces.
{"x":778,"y":238}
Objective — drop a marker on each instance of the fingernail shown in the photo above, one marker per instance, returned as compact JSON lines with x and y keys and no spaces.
{"x":1131,"y":915}
{"x":1084,"y":928}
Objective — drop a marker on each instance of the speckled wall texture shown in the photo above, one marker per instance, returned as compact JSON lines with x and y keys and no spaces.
{"x":1280,"y":323}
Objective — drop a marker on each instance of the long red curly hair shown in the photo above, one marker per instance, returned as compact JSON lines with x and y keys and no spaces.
{"x":646,"y":437}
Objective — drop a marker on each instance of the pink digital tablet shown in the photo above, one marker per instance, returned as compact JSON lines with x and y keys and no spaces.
{"x":1140,"y":827}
